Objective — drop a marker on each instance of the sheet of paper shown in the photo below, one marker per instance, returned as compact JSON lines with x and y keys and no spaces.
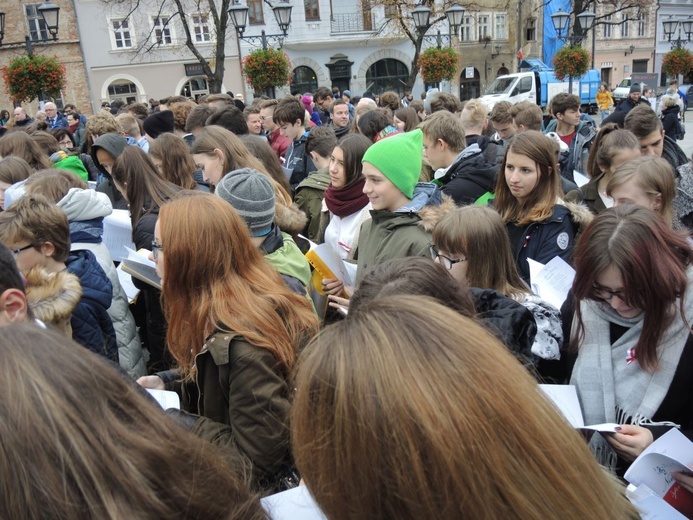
{"x":126,"y":281}
{"x":141,"y":256}
{"x":603,"y":427}
{"x":334,"y":262}
{"x":554,"y":282}
{"x":580,"y":179}
{"x":565,"y":398}
{"x":534,"y":270}
{"x":294,"y":504}
{"x":165,"y":398}
{"x":650,"y":506}
{"x":117,"y":233}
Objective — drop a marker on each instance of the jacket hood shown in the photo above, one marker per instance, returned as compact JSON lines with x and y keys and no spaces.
{"x":426,"y":217}
{"x":52,"y":297}
{"x":87,"y":204}
{"x":111,"y":143}
{"x":320,"y":180}
{"x":425,"y":193}
{"x":671,"y":110}
{"x":289,"y":260}
{"x":432,"y":213}
{"x":510,"y":320}
{"x":579,"y":213}
{"x":290,"y":218}
{"x":96,"y":287}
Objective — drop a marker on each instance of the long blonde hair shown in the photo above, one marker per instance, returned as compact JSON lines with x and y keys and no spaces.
{"x":80,"y":441}
{"x":539,"y":203}
{"x":408,"y":410}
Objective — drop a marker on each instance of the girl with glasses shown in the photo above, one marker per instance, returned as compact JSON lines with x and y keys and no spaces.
{"x":528,"y":197}
{"x":630,"y":335}
{"x":472,"y":244}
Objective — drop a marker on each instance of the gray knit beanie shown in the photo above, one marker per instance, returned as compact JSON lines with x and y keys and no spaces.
{"x":252,"y":196}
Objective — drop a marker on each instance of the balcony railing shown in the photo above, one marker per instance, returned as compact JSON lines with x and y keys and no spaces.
{"x":352,"y":23}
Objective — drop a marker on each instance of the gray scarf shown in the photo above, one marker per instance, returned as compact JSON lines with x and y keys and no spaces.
{"x":609,"y":388}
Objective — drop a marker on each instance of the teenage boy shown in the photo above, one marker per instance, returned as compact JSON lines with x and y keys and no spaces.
{"x":527,"y":116}
{"x":647,"y":127}
{"x":474,"y":118}
{"x":289,"y":115}
{"x":13,"y":304}
{"x":38,"y":233}
{"x":277,"y":141}
{"x":311,"y":192}
{"x":463,"y":171}
{"x":323,"y":101}
{"x":574,"y":132}
{"x":501,"y":118}
{"x":404,"y":210}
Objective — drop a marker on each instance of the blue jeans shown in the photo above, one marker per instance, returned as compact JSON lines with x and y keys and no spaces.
{"x":605,"y":113}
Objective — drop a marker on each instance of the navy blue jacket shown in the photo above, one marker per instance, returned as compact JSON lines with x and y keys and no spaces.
{"x":91,"y":325}
{"x":543,"y":241}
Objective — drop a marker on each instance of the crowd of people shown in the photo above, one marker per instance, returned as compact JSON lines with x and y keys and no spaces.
{"x":407,"y":389}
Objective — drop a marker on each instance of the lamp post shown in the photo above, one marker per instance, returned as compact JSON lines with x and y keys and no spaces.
{"x":422,"y":15}
{"x":282,"y":14}
{"x":561,"y":22}
{"x":670,"y":28}
{"x":49,"y":13}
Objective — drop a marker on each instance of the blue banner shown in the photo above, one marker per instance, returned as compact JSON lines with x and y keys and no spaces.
{"x":551,"y":42}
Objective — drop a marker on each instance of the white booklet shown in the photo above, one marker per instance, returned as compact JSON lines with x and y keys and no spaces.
{"x":165,"y":398}
{"x":653,"y":487}
{"x":565,"y":398}
{"x":551,"y":282}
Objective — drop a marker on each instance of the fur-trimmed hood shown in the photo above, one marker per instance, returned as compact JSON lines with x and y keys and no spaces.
{"x":579,"y":214}
{"x":431,"y":214}
{"x":52,"y":297}
{"x":80,"y":205}
{"x":290,"y":218}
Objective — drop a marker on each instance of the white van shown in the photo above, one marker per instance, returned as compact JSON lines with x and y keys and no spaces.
{"x":623,"y":90}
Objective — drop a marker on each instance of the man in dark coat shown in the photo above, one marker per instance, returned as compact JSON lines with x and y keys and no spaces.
{"x":634,"y":99}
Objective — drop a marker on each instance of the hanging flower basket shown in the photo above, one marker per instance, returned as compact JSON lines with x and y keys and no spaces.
{"x":267,"y":68}
{"x":571,"y":62}
{"x":26,"y":78}
{"x":438,"y":64}
{"x":677,"y":61}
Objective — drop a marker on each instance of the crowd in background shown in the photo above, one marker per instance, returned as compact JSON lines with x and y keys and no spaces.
{"x":405,"y":388}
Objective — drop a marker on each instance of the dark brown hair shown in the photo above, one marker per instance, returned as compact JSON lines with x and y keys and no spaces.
{"x":177,"y":165}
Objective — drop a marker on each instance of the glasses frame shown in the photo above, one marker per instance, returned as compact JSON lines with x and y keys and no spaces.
{"x":16,"y":252}
{"x":156,"y":247}
{"x":599,"y":292}
{"x":445,"y":261}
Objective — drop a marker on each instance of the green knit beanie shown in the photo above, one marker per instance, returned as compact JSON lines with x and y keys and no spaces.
{"x":399,"y":159}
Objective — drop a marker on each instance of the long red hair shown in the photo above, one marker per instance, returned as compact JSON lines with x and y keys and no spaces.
{"x":216,"y":279}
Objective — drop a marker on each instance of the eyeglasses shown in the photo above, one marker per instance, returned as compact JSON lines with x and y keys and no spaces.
{"x":155,"y":249}
{"x":265,"y":118}
{"x":16,"y":252}
{"x":444,"y":260}
{"x":606,"y":294}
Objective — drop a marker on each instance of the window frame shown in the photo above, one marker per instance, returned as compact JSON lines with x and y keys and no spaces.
{"x":199,"y":24}
{"x":504,"y":18}
{"x":256,"y":7}
{"x":487,"y":26}
{"x":40,"y":31}
{"x":312,"y":15}
{"x":469,"y":25}
{"x":531,"y":26}
{"x":113,"y":32}
{"x":165,"y":27}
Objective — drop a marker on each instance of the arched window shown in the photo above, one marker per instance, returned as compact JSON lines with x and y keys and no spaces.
{"x":387,"y":74}
{"x":470,"y":88}
{"x":502,"y":71}
{"x":195,"y":88}
{"x":304,"y":80}
{"x":123,"y":90}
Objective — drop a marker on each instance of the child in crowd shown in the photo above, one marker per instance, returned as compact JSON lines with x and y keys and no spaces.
{"x":631,"y":348}
{"x":399,"y":406}
{"x":13,"y":170}
{"x":461,"y":243}
{"x":404,"y":211}
{"x":106,"y":450}
{"x":311,"y":192}
{"x":289,"y":115}
{"x":573,"y":131}
{"x":234,"y":329}
{"x":645,"y":181}
{"x":528,"y":197}
{"x":38,"y":233}
{"x":611,"y":148}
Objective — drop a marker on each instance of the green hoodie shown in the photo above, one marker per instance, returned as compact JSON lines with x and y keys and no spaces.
{"x":289,"y":260}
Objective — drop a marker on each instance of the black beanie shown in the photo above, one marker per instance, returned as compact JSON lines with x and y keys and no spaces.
{"x":158,"y":123}
{"x":635,"y":87}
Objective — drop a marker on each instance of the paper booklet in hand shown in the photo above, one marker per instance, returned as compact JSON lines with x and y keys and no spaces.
{"x":328,"y":264}
{"x":652,"y":487}
{"x":138,"y":264}
{"x":564,"y":397}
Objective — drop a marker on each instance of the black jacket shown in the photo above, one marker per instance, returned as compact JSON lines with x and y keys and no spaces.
{"x":469,"y":177}
{"x":491,"y":148}
{"x":298,"y":162}
{"x":670,"y":122}
{"x":509,"y":320}
{"x":628,"y":104}
{"x":673,"y":154}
